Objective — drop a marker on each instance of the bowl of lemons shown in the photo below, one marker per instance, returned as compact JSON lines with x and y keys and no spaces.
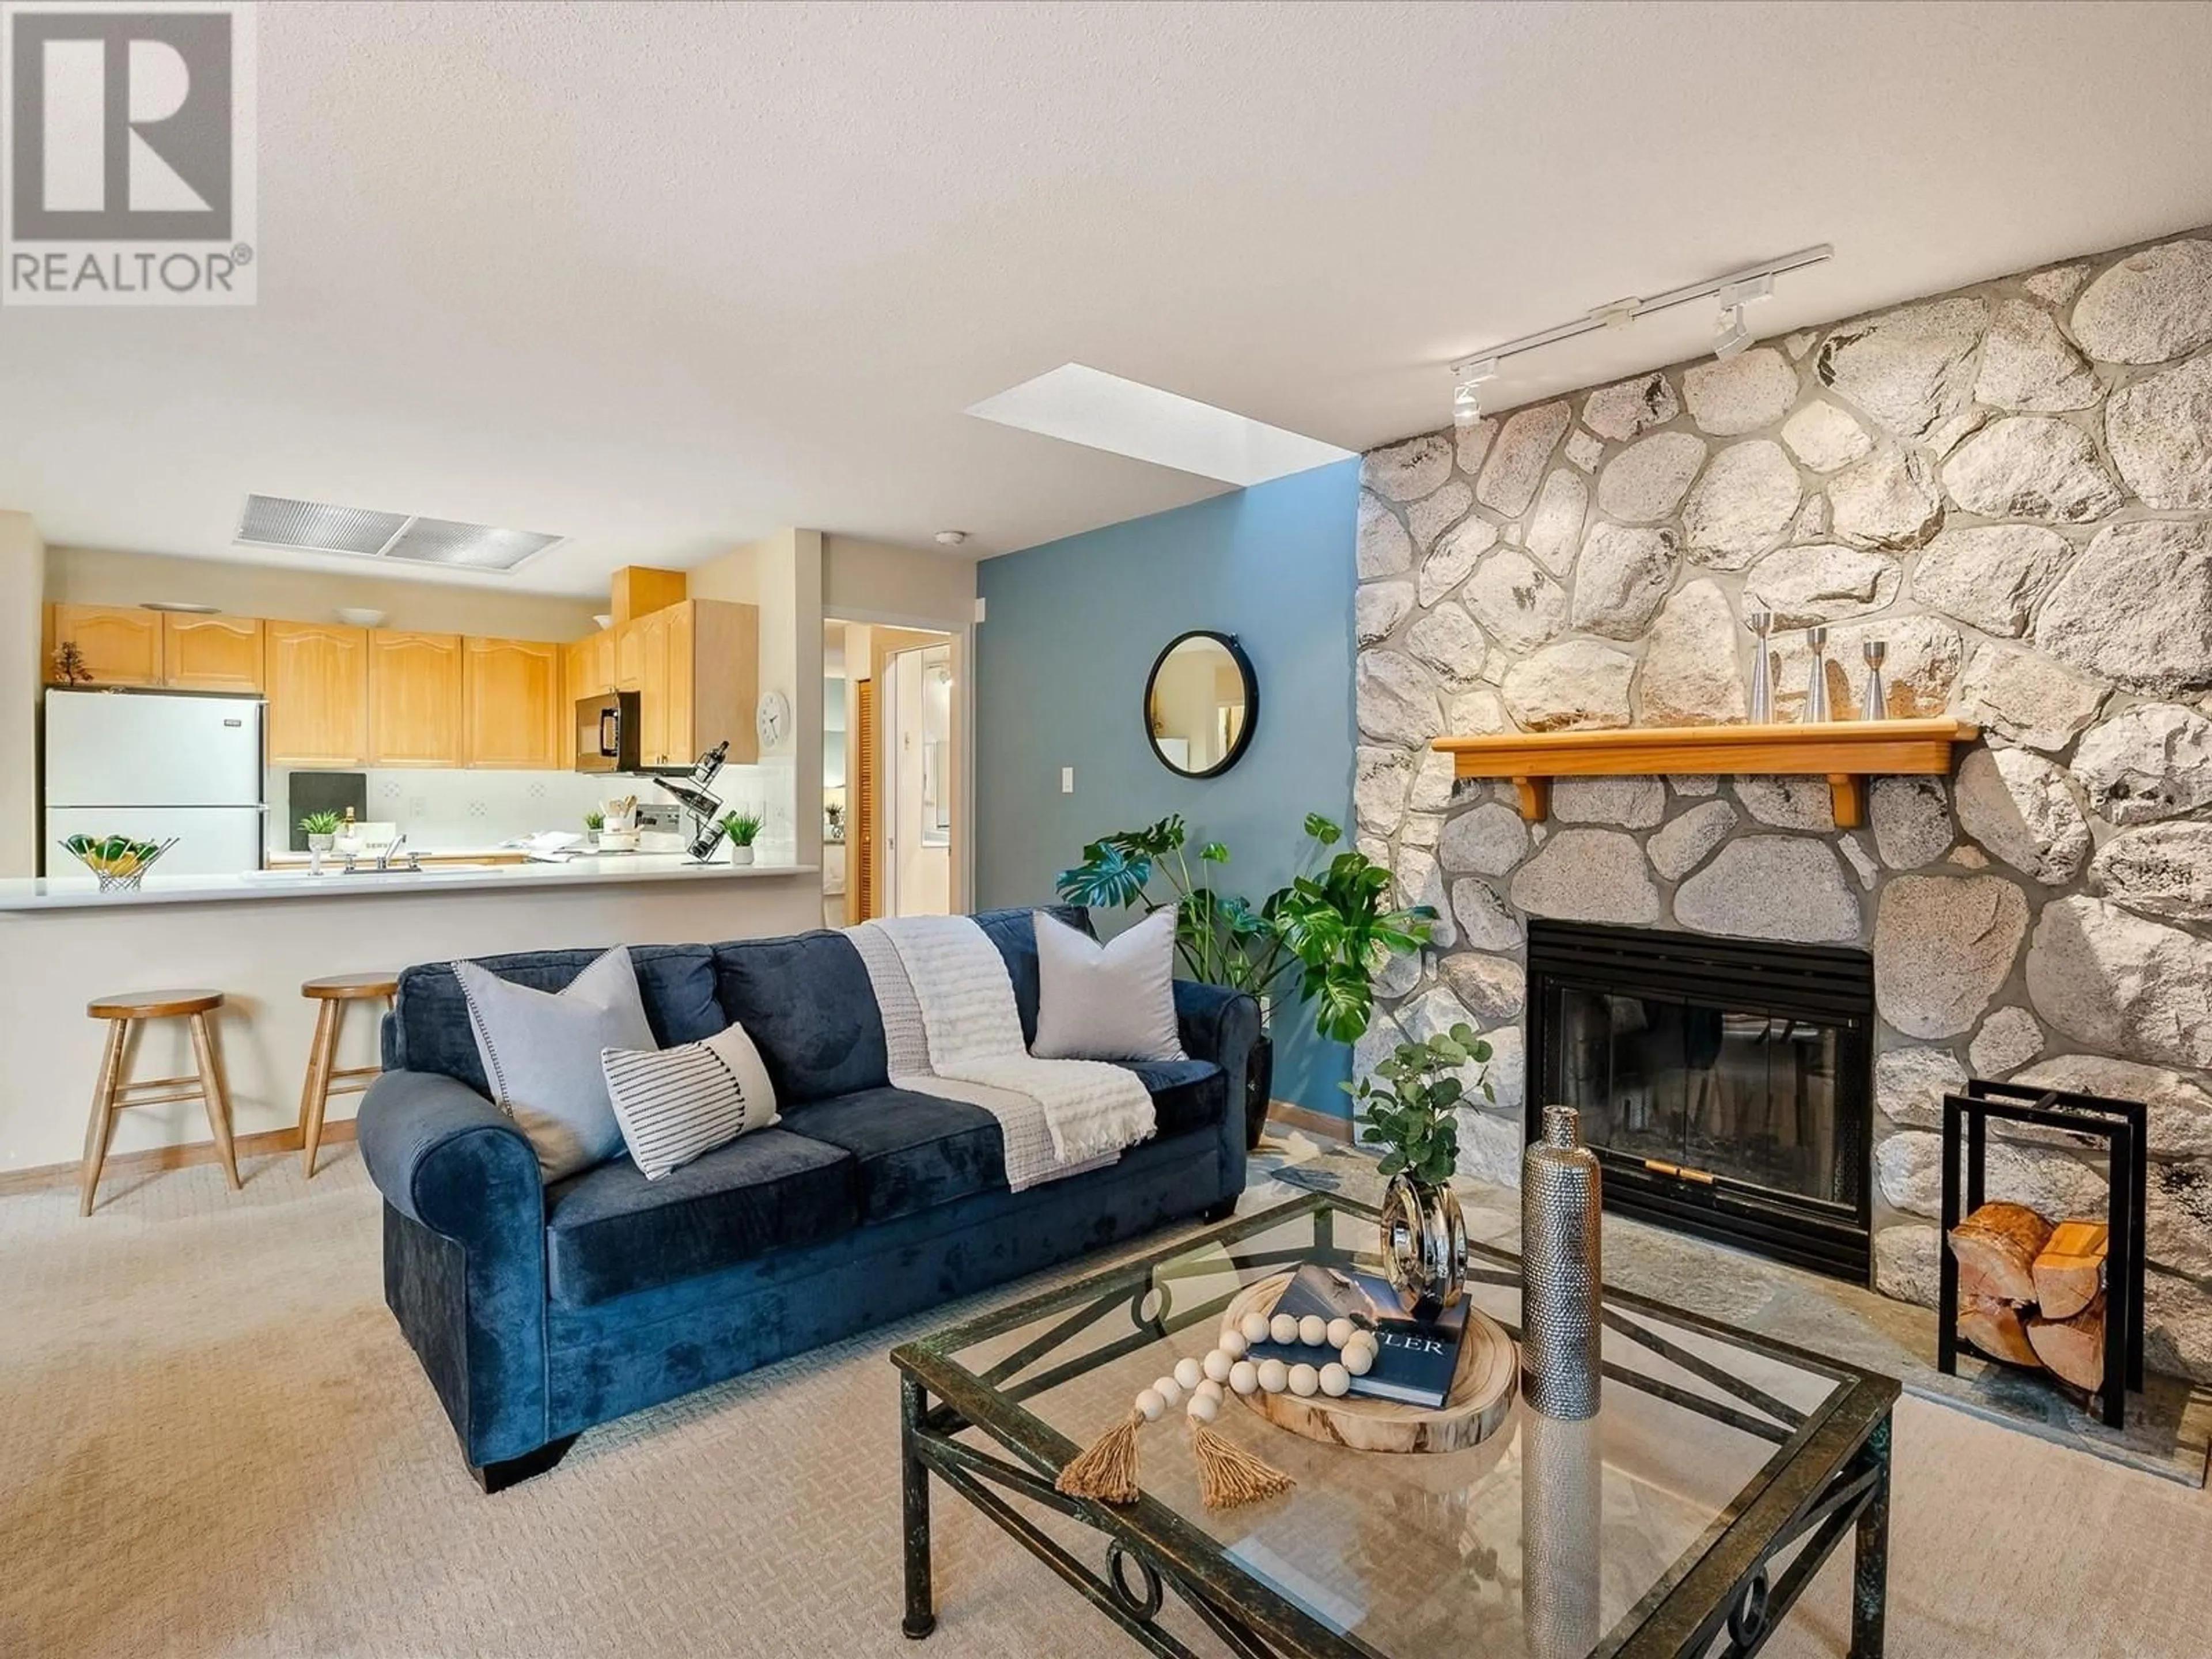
{"x":119,"y":861}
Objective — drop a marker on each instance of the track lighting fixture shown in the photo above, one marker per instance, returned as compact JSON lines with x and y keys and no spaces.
{"x":1467,"y":379}
{"x":1733,"y":333}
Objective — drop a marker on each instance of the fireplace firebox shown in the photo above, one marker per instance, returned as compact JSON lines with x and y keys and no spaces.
{"x":1725,"y":1085}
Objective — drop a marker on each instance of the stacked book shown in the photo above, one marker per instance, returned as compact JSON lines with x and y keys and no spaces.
{"x":1414,"y":1358}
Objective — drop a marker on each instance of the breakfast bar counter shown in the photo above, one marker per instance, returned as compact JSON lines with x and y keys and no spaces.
{"x":295,"y":880}
{"x":258,"y":937}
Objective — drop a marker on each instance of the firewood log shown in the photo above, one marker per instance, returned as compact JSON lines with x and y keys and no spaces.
{"x":1999,"y":1244}
{"x":1996,"y":1327}
{"x":2070,"y":1270}
{"x":2073,"y":1348}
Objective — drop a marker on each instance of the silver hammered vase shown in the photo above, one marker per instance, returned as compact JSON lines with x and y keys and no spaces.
{"x":1559,"y":1270}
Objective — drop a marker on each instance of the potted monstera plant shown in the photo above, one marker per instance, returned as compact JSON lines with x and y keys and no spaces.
{"x":1323,"y":937}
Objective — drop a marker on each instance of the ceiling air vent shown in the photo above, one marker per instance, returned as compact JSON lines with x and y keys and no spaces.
{"x":317,"y":527}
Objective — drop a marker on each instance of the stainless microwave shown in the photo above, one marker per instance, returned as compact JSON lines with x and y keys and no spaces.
{"x":607,"y":733}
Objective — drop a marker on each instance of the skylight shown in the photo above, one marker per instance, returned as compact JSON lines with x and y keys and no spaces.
{"x":1100,"y":410}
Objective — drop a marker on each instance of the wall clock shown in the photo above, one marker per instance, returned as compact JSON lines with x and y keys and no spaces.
{"x":772,"y":719}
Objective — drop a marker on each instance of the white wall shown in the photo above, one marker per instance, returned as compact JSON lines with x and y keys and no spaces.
{"x":22,"y":580}
{"x":781,"y":575}
{"x":79,"y":575}
{"x":905,"y":582}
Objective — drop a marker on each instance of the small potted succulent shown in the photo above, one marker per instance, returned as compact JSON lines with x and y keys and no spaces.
{"x":1410,"y":1115}
{"x":321,"y":830}
{"x":743,"y":830}
{"x":594,"y":822}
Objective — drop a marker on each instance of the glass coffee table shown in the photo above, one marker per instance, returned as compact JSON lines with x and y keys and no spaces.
{"x":1686,"y":1518}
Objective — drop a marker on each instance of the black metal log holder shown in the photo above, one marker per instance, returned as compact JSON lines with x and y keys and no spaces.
{"x":2124,"y":1125}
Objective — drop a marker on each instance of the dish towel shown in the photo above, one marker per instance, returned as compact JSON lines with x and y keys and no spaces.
{"x":953,"y":1030}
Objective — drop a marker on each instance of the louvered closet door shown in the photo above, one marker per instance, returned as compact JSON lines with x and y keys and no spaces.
{"x":863,"y":857}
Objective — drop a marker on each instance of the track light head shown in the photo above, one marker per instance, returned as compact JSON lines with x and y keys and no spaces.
{"x":1732,"y":334}
{"x":1468,"y":380}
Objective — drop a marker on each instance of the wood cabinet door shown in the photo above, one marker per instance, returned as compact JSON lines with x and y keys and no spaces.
{"x":211,"y":653}
{"x":652,"y":635}
{"x":511,"y":696}
{"x":601,"y":658}
{"x":414,"y":698}
{"x":679,"y":743}
{"x":317,"y":683}
{"x":629,"y":655}
{"x":121,"y":644}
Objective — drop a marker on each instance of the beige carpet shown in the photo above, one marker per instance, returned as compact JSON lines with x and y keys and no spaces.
{"x":212,"y":1441}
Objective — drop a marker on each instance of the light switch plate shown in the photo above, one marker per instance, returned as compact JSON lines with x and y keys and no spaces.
{"x":1066,"y":779}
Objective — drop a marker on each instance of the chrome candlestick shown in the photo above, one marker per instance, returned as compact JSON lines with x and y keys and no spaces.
{"x":1816,"y":692}
{"x":1873,"y":700}
{"x":1761,"y":623}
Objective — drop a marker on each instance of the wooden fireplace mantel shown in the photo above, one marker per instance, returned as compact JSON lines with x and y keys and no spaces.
{"x":1845,"y":752}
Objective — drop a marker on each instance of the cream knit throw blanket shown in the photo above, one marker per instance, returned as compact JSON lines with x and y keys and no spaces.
{"x":953,"y":1030}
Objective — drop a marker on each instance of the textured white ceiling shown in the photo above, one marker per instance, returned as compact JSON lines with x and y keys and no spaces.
{"x":665,"y":278}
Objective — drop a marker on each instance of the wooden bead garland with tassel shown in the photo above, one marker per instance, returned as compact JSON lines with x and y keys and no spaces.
{"x":1228,"y":1475}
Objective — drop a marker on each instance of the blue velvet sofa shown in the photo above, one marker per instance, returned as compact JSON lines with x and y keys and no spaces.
{"x":540,"y":1310}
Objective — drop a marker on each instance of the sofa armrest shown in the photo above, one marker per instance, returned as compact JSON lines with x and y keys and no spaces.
{"x":443,"y":1155}
{"x":463,"y":1254}
{"x":1214,"y":1023}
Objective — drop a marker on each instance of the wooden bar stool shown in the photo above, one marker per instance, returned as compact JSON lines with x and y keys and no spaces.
{"x":333,"y":994}
{"x":113,"y":1092}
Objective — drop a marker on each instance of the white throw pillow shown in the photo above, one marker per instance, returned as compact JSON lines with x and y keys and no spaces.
{"x":541,"y":1055}
{"x":676,"y":1104}
{"x":1111,"y":1001}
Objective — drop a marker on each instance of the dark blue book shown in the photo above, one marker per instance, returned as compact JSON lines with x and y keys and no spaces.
{"x":1414,"y":1358}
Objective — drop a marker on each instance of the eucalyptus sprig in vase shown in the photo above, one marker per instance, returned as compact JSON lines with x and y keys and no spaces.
{"x":1411,"y":1114}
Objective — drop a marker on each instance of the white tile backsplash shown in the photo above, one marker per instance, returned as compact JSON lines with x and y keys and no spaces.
{"x":467,"y":809}
{"x":463,"y":808}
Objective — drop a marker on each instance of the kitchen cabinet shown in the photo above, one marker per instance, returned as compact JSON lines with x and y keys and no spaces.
{"x":414,"y":698}
{"x":513,"y":714}
{"x":678,"y":731}
{"x":711,"y":649}
{"x":317,"y":683}
{"x":121,"y":645}
{"x":591,"y":666}
{"x":211,"y":653}
{"x":649,"y":638}
{"x":628,"y":643}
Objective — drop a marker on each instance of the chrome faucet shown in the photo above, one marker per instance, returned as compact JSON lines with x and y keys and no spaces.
{"x":390,"y":848}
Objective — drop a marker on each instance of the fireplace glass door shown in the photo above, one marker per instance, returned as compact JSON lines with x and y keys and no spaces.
{"x":1743,"y":1096}
{"x":1724,"y":1083}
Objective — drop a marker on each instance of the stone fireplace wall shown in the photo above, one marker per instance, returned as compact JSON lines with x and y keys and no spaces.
{"x":2008,"y":484}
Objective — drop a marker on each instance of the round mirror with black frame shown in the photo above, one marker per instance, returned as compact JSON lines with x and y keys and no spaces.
{"x":1201,"y":704}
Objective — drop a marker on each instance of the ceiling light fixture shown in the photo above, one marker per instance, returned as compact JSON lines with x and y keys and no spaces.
{"x":951,"y":538}
{"x":1467,"y":381}
{"x":1731,"y":334}
{"x":1734,"y":291}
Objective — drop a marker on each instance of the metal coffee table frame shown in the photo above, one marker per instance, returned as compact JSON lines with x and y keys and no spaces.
{"x":1829,"y":1477}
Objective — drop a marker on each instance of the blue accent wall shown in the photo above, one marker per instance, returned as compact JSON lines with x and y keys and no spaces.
{"x":1069,"y":636}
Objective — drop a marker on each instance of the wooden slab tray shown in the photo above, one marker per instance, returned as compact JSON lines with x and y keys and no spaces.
{"x":1482,"y":1392}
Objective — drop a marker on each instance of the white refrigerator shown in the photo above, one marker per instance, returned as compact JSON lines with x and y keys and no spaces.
{"x":144,"y":764}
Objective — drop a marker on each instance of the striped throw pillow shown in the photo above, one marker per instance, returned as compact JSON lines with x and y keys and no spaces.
{"x":675,"y":1104}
